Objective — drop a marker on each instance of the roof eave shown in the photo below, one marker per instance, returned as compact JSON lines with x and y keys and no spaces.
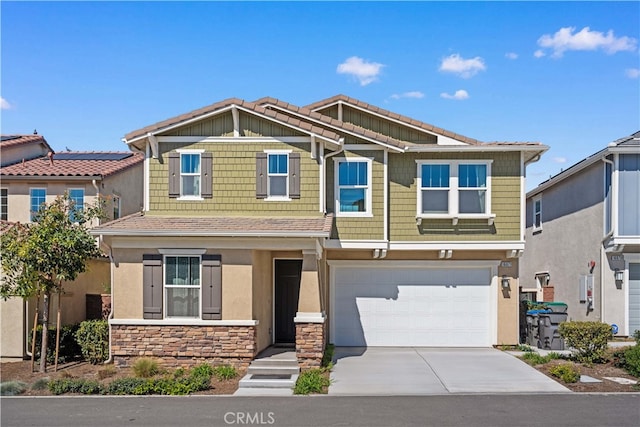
{"x":51,"y":177}
{"x":172,"y":233}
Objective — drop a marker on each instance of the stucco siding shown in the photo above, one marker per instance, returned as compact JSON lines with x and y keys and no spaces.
{"x":128,"y":186}
{"x":263,"y":297}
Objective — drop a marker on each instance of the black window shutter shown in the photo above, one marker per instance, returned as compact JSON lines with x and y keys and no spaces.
{"x":211,"y":287}
{"x":294,"y":175}
{"x":206,"y":175}
{"x":261,"y":175}
{"x":152,"y":286}
{"x":174,"y":175}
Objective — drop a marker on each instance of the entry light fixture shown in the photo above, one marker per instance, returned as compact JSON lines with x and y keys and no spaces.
{"x":618,"y":275}
{"x":505,"y":282}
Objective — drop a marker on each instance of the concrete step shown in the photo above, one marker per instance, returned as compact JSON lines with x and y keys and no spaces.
{"x":270,"y":361}
{"x":268,"y":381}
{"x":273,"y":369}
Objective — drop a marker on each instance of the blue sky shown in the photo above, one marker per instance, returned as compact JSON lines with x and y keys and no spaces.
{"x":565,"y":74}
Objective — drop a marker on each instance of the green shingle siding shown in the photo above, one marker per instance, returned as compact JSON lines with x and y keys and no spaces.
{"x":386,"y":127}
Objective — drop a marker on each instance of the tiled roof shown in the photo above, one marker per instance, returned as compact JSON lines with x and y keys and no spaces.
{"x":14,"y":140}
{"x":366,"y":133}
{"x":77,"y":168}
{"x":224,"y":104}
{"x":391,"y":115}
{"x":141,"y":224}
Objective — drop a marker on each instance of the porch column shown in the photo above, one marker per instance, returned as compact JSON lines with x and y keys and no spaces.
{"x":309,"y":320}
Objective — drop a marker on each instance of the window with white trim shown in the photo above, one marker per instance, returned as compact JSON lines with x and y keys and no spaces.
{"x":452,"y":189}
{"x":353,"y":187}
{"x":76,"y":196}
{"x":116,"y":207}
{"x":278,"y":175}
{"x":4,"y":204}
{"x":537,"y":213}
{"x":182,"y":286}
{"x":190,"y":174}
{"x":38,"y":196}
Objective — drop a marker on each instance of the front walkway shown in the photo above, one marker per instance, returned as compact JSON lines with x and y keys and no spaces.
{"x":418,"y":371}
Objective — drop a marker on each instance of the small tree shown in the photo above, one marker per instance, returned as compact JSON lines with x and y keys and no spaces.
{"x":37,"y":258}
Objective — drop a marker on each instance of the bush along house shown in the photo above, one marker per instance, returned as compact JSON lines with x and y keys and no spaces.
{"x":268,"y":224}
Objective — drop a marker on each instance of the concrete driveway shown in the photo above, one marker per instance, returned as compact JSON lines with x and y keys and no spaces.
{"x":417,"y":371}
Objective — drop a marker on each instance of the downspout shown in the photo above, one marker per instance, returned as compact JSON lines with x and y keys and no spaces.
{"x":324,"y":173}
{"x":610,"y":233}
{"x":110,"y":317}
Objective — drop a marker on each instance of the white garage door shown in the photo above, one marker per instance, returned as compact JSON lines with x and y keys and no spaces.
{"x":411,"y":307}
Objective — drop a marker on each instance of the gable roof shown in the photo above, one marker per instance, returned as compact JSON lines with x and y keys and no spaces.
{"x":7,"y":141}
{"x":139,"y":224}
{"x":627,"y":144}
{"x":83,"y":168}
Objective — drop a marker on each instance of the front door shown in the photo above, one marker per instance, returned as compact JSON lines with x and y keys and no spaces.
{"x":288,"y":273}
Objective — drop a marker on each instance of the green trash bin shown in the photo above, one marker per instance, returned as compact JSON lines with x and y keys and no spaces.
{"x":556,"y":307}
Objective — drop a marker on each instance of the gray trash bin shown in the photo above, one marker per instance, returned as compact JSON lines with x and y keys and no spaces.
{"x":548,"y":335}
{"x":532,"y":326}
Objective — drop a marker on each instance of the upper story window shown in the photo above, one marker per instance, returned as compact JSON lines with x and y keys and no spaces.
{"x":38,"y":196}
{"x":537,"y":213}
{"x":353,"y":187}
{"x":278,"y":175}
{"x":4,"y":204}
{"x":452,"y":189}
{"x":76,"y":195}
{"x":116,"y":207}
{"x":182,"y":286}
{"x":190,"y":175}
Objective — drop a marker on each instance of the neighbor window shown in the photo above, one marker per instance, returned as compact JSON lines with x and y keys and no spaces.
{"x":4,"y":204}
{"x":38,"y":198}
{"x":190,"y":174}
{"x":116,"y":207}
{"x":76,"y":196}
{"x":182,"y":286}
{"x":353,"y":190}
{"x":453,"y":188}
{"x":537,"y":213}
{"x":278,"y":175}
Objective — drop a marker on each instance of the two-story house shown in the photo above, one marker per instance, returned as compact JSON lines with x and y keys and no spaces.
{"x":265,"y":223}
{"x":32,"y":174}
{"x":583,"y":237}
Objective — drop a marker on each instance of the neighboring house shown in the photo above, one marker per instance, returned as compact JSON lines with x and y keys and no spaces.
{"x":33,"y":177}
{"x":265,"y":223}
{"x":583,"y":237}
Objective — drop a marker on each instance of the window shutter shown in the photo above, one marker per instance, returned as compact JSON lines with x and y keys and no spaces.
{"x":152,"y":286}
{"x":294,"y":175}
{"x":261,"y":175}
{"x":174,"y":175}
{"x":211,"y":287}
{"x":206,"y":179}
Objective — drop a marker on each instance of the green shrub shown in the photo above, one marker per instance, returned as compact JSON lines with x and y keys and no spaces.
{"x":40,"y":384}
{"x":12,"y":388}
{"x":327,"y":357}
{"x":533,"y":358}
{"x":636,"y":336}
{"x":203,"y":370}
{"x":199,"y":379}
{"x":632,"y":360}
{"x":68,"y":349}
{"x":225,"y":372}
{"x":93,"y":338}
{"x":145,"y":367}
{"x":179,"y":373}
{"x":589,"y":339}
{"x":525,"y":348}
{"x":74,"y":385}
{"x":124,"y":386}
{"x":567,"y":372}
{"x":312,"y":381}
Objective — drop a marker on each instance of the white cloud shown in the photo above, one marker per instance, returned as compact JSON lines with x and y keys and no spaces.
{"x":538,"y":53}
{"x":365,"y":72}
{"x":511,"y":55}
{"x":465,"y":68}
{"x":566,"y":39}
{"x":459,"y":95}
{"x":412,"y":94}
{"x":4,"y":104}
{"x":632,"y":73}
{"x":560,"y":159}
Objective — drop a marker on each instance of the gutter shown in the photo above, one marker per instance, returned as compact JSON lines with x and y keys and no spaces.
{"x":130,"y":232}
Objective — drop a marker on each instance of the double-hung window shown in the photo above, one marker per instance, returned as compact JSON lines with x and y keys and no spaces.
{"x":182,"y":286}
{"x":454,"y":189}
{"x":278,"y":175}
{"x":537,"y":213}
{"x":76,"y":196}
{"x":116,"y":207}
{"x":190,"y":174}
{"x":353,"y":189}
{"x":4,"y":204}
{"x":38,"y":196}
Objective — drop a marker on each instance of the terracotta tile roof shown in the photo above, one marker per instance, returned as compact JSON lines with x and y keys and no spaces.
{"x":14,"y":140}
{"x":227,"y":103}
{"x":386,"y":113}
{"x":140,"y":224}
{"x":359,"y":131}
{"x":43,"y":167}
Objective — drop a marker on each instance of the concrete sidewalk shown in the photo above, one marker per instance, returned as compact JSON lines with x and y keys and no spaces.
{"x":418,"y":371}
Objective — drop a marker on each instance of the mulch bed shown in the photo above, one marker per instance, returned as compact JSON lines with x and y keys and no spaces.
{"x":598,"y":371}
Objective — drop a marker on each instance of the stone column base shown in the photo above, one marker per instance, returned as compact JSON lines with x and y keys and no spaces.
{"x":310,"y":344}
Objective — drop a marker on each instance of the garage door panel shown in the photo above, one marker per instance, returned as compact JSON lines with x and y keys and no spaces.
{"x":411,"y":307}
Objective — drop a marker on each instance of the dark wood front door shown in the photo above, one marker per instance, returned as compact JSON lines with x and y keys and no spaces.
{"x":287,"y":290}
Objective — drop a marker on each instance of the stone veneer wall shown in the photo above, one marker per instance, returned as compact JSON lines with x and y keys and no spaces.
{"x":184,"y":345}
{"x":310,"y":343}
